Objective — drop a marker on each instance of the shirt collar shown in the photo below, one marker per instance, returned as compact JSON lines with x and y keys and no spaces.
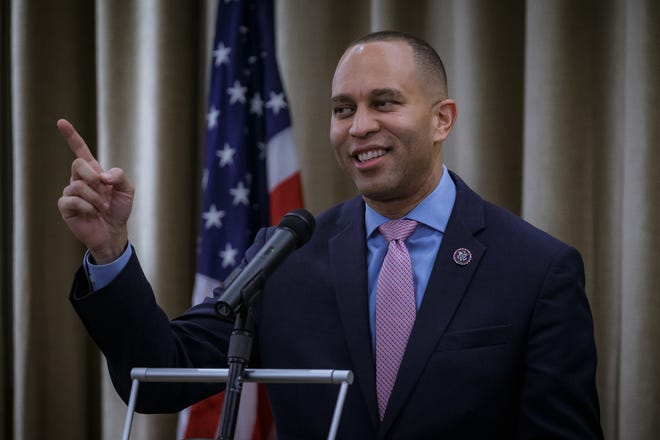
{"x":433,"y":211}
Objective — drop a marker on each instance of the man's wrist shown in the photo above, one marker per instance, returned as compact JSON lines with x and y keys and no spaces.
{"x":107,"y":256}
{"x":100,"y":275}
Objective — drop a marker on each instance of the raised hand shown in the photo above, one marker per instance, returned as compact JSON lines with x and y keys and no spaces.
{"x":96,"y":203}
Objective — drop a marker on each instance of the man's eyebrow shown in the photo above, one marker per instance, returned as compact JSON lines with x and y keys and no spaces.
{"x":339,"y":99}
{"x":387,"y":93}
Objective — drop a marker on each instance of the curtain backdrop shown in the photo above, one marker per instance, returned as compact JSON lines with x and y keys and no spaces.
{"x":559,"y":121}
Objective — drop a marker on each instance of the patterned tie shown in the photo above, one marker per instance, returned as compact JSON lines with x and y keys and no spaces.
{"x":395,"y":307}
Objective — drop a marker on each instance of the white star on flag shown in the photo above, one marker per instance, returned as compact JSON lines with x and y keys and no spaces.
{"x":228,"y":256}
{"x":237,"y":93}
{"x":276,"y":102}
{"x":213,"y":217}
{"x":221,"y":54}
{"x":212,"y":118}
{"x":241,"y":194}
{"x":256,"y":104}
{"x":226,"y":155}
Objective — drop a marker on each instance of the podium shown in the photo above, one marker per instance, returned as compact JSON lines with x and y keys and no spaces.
{"x":343,"y":378}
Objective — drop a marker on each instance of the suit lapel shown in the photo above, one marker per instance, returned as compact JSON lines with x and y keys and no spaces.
{"x":447,"y":285}
{"x":348,"y":261}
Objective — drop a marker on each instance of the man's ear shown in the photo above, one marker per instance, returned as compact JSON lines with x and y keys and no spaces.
{"x":445,"y":113}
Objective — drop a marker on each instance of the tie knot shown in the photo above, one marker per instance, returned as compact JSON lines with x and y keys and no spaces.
{"x":397,"y":229}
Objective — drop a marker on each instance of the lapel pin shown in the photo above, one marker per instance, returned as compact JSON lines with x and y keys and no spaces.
{"x":462,"y":256}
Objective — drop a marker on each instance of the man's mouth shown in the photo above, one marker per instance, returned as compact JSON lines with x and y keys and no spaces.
{"x":371,"y":154}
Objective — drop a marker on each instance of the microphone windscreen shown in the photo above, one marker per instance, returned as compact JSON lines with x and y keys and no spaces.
{"x":301,"y":223}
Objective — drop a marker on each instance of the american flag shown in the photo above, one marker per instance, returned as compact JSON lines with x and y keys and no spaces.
{"x":250,"y":179}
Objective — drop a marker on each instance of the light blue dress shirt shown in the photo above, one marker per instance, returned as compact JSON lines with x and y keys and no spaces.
{"x":100,"y":275}
{"x":432,"y":214}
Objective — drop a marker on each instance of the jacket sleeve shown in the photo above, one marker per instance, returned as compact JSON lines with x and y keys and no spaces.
{"x":131,"y":330}
{"x":558,"y":397}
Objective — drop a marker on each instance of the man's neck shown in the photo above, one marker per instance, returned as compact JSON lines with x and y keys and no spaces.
{"x":397,"y":208}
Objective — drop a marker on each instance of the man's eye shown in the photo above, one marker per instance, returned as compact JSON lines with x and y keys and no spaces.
{"x":384,"y":105}
{"x":342,"y":112}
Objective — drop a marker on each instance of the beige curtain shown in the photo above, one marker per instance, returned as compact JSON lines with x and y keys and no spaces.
{"x":559,"y":120}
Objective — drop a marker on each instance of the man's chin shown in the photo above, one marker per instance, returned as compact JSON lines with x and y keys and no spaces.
{"x":379,"y":195}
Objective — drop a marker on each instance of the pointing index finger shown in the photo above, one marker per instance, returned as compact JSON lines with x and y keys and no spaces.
{"x":77,"y":143}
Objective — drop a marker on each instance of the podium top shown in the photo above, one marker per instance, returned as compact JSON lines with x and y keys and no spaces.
{"x":262,"y":375}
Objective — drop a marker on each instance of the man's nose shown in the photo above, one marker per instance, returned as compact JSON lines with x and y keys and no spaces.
{"x":363,"y":123}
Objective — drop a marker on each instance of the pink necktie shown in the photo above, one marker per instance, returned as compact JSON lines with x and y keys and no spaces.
{"x":395,"y":307}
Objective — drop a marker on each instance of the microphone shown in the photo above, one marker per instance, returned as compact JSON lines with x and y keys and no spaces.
{"x":294,"y":230}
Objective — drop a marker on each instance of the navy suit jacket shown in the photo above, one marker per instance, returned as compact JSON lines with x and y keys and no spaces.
{"x":502,"y":347}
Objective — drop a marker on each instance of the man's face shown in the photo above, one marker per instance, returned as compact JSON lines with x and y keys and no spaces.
{"x":384,"y":127}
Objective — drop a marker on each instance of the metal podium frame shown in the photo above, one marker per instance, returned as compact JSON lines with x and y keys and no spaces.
{"x":342,"y":377}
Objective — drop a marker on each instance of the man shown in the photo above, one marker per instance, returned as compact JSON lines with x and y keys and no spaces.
{"x":498,"y":344}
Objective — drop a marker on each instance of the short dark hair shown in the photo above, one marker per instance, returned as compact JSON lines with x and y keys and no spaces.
{"x":423,"y":52}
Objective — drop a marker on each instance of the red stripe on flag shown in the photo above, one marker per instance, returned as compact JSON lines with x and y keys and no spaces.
{"x":264,"y":426}
{"x":205,"y":417}
{"x":287,"y":195}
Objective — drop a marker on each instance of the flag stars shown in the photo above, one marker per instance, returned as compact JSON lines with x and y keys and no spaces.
{"x":228,"y":255}
{"x":236,"y":93}
{"x":276,"y":102}
{"x":213,"y":218}
{"x":239,"y":98}
{"x":241,"y":194}
{"x":221,"y":54}
{"x":226,"y":155}
{"x":212,"y":117}
{"x":257,"y":105}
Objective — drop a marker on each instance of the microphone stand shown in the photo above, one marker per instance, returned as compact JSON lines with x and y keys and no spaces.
{"x":235,"y":296}
{"x":238,"y":357}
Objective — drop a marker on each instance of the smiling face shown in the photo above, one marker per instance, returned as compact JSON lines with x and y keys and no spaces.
{"x":388,"y":124}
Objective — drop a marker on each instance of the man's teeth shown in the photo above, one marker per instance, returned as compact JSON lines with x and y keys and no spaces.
{"x":370,"y":155}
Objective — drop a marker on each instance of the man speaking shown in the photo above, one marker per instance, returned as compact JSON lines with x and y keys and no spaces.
{"x":458,"y":319}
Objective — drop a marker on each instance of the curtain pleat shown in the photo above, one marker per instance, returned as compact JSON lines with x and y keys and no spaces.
{"x":639,"y":392}
{"x":485,"y":71}
{"x":149,"y":69}
{"x":52,"y":74}
{"x":6,"y":263}
{"x":558,"y":122}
